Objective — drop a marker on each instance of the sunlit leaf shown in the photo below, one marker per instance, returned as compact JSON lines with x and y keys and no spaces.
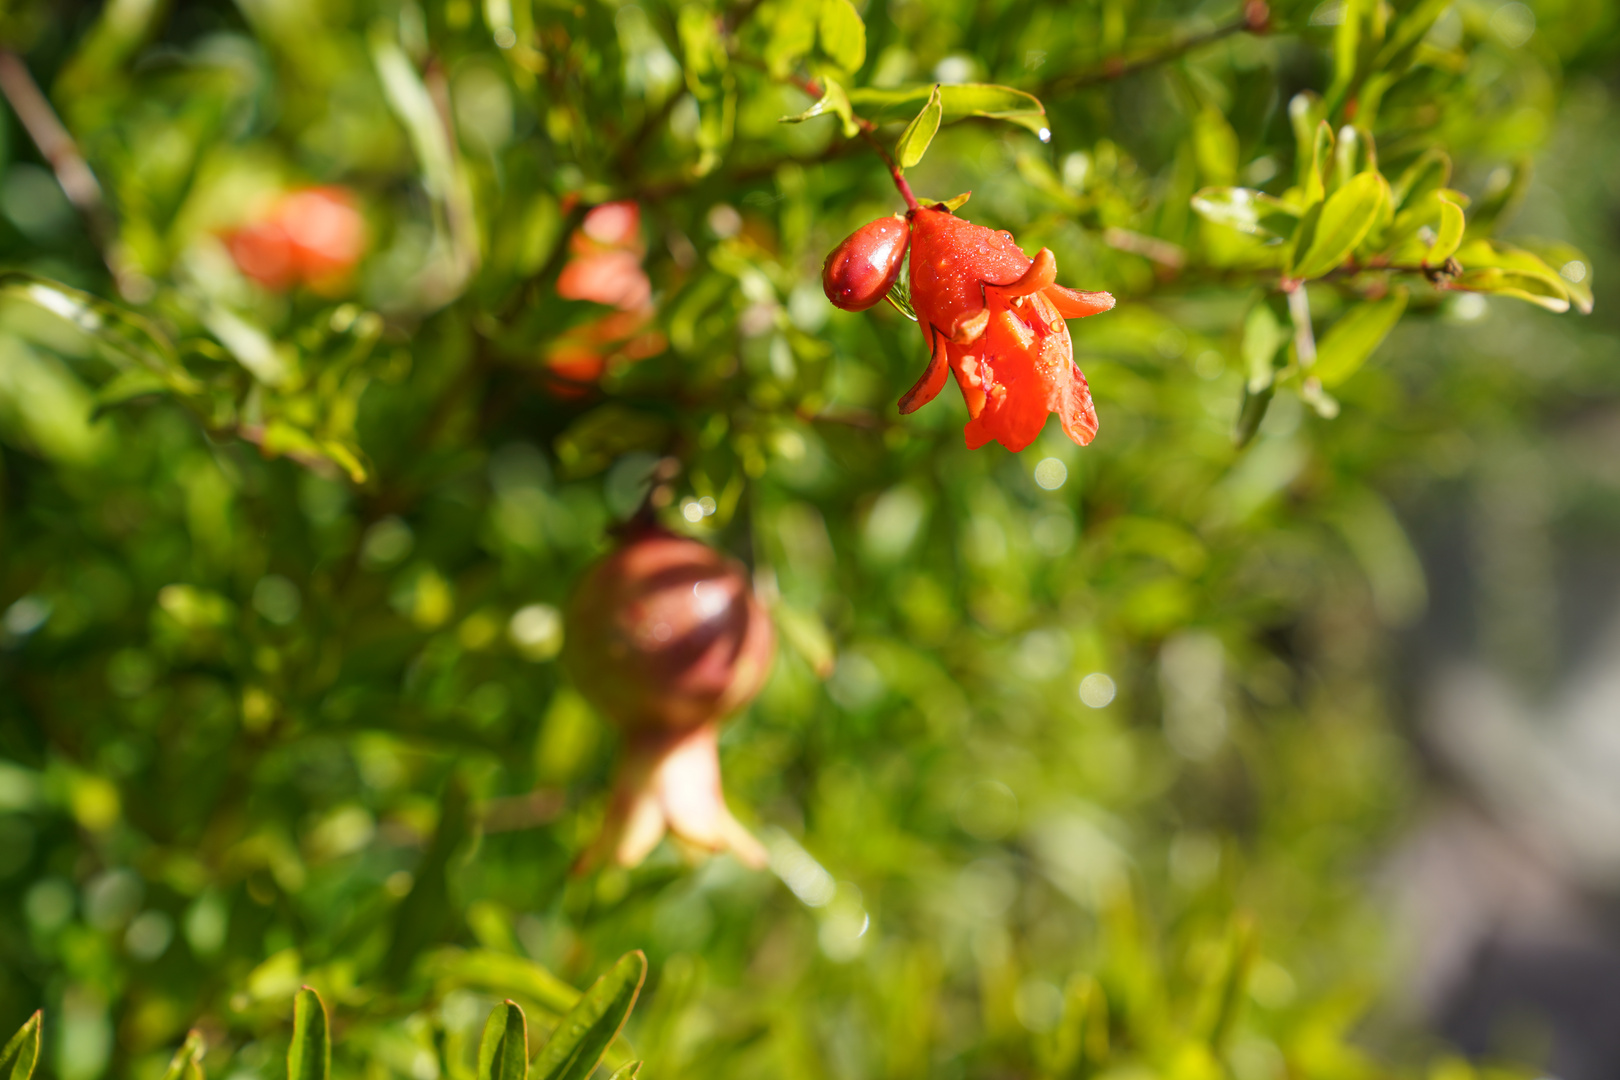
{"x":1430,"y":172}
{"x":503,"y":1052}
{"x":187,"y":1061}
{"x":1245,"y":210}
{"x":956,"y":102}
{"x":1574,"y":268}
{"x":1323,"y":244}
{"x":842,"y":34}
{"x":580,"y":1039}
{"x":22,"y":1049}
{"x":833,"y":101}
{"x":919,"y":133}
{"x":1351,"y":340}
{"x":130,"y":339}
{"x":309,"y":1056}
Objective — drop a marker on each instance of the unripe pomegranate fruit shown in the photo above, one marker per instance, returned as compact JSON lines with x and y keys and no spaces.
{"x":666,"y":638}
{"x":860,"y":272}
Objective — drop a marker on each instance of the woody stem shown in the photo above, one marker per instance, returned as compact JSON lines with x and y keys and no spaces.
{"x":58,"y":149}
{"x":895,"y":174}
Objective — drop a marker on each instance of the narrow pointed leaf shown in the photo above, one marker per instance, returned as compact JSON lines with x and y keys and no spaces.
{"x":1430,"y":172}
{"x":503,"y":1054}
{"x":1573,"y":266}
{"x":956,"y":102}
{"x":1251,"y":411}
{"x":129,"y":339}
{"x":1350,"y":341}
{"x":1345,"y":219}
{"x":629,"y":1071}
{"x":310,"y":1055}
{"x":187,"y":1061}
{"x":1245,"y":210}
{"x":22,"y":1051}
{"x":833,"y":102}
{"x":920,"y":132}
{"x":576,"y":1047}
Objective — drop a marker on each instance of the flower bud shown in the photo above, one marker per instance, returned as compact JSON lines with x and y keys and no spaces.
{"x":666,"y":638}
{"x":861,"y":270}
{"x":665,"y":635}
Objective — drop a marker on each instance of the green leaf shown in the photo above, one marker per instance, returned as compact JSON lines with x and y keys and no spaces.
{"x":1223,"y":996}
{"x":22,"y":1050}
{"x":503,"y":1054}
{"x":1263,"y":335}
{"x":1449,"y":234}
{"x":488,"y":970}
{"x":833,"y":101}
{"x":1305,"y":116}
{"x":628,"y":1071}
{"x":1483,"y":253}
{"x":1081,"y":1036}
{"x":1246,"y":210}
{"x":128,"y":385}
{"x":843,"y":35}
{"x":1573,"y":267}
{"x":1251,"y":411}
{"x":1344,"y":220}
{"x":1499,"y":282}
{"x":808,"y":634}
{"x":1430,"y":172}
{"x":1410,"y":28}
{"x":1509,"y":271}
{"x":309,"y":1057}
{"x":920,"y":132}
{"x":956,"y":102}
{"x":130,"y":339}
{"x":576,"y":1047}
{"x":1215,"y":147}
{"x":187,"y":1061}
{"x":1350,"y":341}
{"x":1313,"y":188}
{"x":793,"y":34}
{"x":413,"y":106}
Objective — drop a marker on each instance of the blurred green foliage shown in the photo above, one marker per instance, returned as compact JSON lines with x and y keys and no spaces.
{"x":281,"y":570}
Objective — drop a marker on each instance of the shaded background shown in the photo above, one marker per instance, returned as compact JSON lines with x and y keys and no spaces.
{"x":1085,"y":712}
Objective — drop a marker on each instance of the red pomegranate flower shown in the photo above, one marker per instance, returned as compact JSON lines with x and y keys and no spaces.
{"x":314,"y":236}
{"x":605,"y":268}
{"x":993,"y":317}
{"x":666,"y":638}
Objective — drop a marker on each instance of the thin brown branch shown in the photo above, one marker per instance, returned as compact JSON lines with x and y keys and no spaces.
{"x":57,"y":147}
{"x":1255,"y":19}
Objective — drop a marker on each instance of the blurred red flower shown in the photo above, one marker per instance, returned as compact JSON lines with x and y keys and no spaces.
{"x":605,"y":268}
{"x":313,"y":237}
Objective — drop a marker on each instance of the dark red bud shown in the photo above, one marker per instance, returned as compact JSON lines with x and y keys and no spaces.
{"x":665,"y":635}
{"x":861,"y":270}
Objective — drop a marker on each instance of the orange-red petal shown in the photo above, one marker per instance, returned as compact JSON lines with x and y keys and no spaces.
{"x":933,"y":379}
{"x":1073,"y":304}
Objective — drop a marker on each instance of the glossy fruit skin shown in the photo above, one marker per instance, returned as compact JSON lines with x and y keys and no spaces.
{"x":665,"y":635}
{"x":860,"y":272}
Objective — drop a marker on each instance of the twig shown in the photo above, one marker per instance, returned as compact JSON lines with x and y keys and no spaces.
{"x":1299,"y":310}
{"x":58,"y":149}
{"x":1256,"y":19}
